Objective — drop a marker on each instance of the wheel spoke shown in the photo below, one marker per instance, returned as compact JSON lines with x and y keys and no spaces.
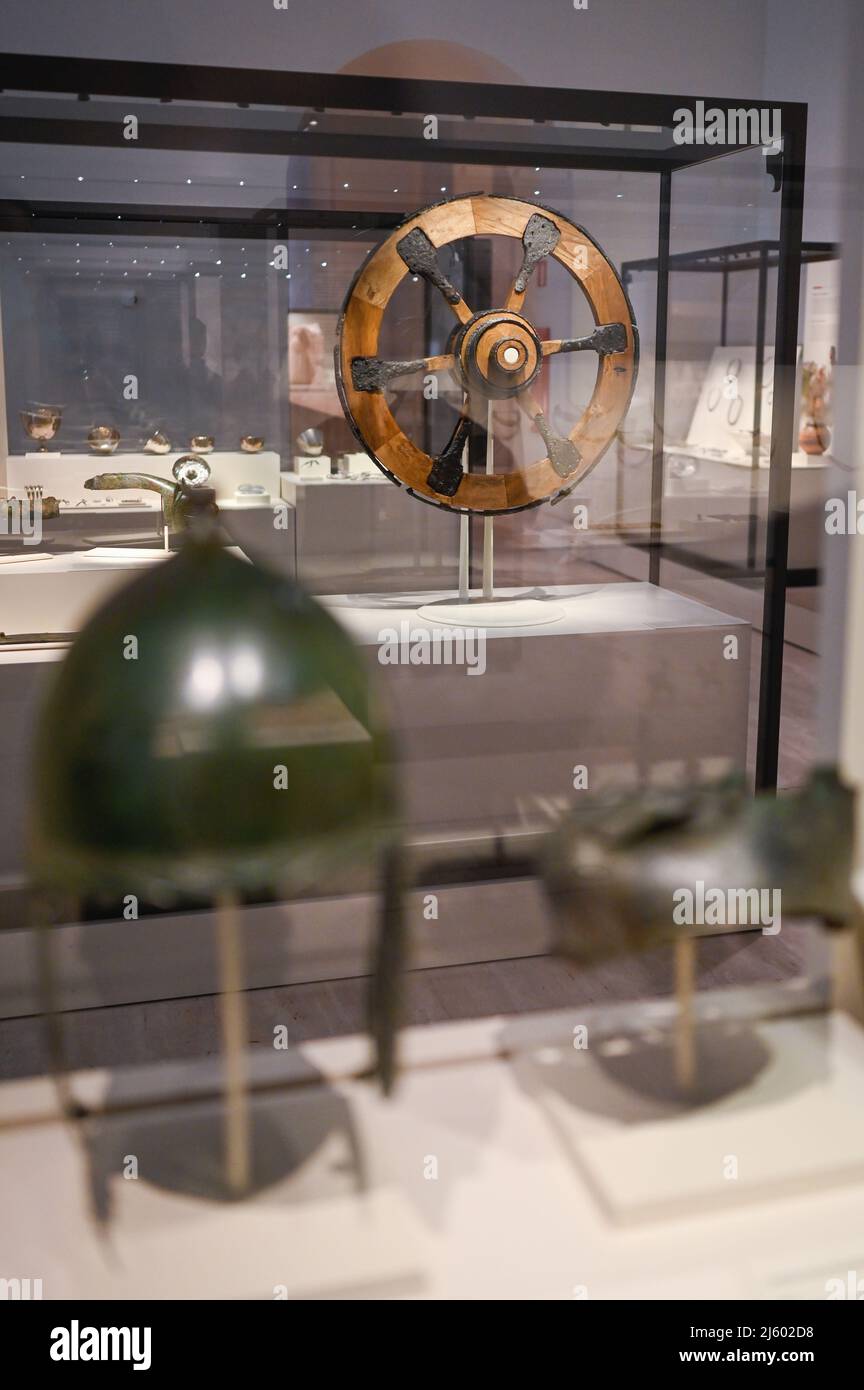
{"x":421,"y":258}
{"x":447,"y":472}
{"x":606,"y":338}
{"x":564,"y":457}
{"x":539,"y":238}
{"x":374,"y":373}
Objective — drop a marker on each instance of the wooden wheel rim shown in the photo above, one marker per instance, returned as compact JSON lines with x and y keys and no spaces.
{"x":359,"y":330}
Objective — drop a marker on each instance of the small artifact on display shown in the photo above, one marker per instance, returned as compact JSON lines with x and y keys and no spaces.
{"x":311,"y":461}
{"x":103,"y":439}
{"x":251,"y":495}
{"x":41,"y":423}
{"x":16,"y":511}
{"x":311,"y":442}
{"x":815,"y":434}
{"x":157,"y":443}
{"x":201,"y":443}
{"x":190,"y":471}
{"x":252,"y":443}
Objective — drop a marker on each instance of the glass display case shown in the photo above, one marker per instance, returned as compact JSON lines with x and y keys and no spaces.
{"x":177,"y":248}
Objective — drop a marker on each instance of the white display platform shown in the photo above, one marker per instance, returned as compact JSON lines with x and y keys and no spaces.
{"x":64,"y":475}
{"x":630,"y":678}
{"x":487,"y":613}
{"x":476,"y":1178}
{"x":59,"y":594}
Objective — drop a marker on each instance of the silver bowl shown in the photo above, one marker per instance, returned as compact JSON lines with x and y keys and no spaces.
{"x":191,"y":470}
{"x":311,"y":442}
{"x":103,"y":439}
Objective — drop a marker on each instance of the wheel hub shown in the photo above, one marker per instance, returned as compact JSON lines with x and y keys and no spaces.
{"x":498,"y":353}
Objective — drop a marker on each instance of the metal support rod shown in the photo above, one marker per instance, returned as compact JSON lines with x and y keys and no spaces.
{"x":724,"y":308}
{"x":685,"y":979}
{"x":662,"y":319}
{"x":488,"y":551}
{"x":232,"y":1008}
{"x":753,"y":518}
{"x":782,"y":435}
{"x":464,"y":540}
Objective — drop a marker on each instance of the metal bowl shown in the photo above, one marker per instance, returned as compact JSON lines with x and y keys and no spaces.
{"x":191,"y":470}
{"x":252,"y":443}
{"x":41,"y":422}
{"x":157,"y":443}
{"x":311,"y":442}
{"x":103,"y":439}
{"x":201,"y":443}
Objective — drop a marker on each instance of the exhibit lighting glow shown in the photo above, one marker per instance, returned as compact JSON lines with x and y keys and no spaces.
{"x":246,"y":671}
{"x":206,"y":683}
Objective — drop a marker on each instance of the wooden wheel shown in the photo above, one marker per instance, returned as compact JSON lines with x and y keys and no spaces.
{"x":494,"y":353}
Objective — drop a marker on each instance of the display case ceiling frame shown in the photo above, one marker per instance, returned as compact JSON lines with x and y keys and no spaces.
{"x":605,"y":130}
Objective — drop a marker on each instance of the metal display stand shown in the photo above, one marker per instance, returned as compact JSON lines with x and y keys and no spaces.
{"x":326,"y":116}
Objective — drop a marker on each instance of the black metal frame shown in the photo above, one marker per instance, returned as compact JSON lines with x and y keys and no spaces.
{"x":238,"y":94}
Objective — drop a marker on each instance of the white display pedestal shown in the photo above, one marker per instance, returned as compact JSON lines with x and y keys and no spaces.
{"x":366,"y":534}
{"x":630,"y":682}
{"x":509,"y":1211}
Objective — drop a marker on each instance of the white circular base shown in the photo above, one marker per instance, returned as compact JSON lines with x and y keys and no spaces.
{"x":504,"y":612}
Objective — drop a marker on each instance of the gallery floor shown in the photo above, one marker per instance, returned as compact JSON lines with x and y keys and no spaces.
{"x":188,"y":1027}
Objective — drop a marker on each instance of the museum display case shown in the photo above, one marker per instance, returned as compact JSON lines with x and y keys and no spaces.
{"x":401,"y":486}
{"x":190,"y":262}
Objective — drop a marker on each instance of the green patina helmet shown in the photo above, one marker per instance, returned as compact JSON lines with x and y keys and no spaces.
{"x":211,"y":730}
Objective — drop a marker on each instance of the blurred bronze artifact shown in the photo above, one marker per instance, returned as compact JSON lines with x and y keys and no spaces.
{"x":189,"y":471}
{"x":634,"y":871}
{"x":201,"y":443}
{"x":103,"y":439}
{"x":252,"y":443}
{"x":493,"y":353}
{"x":41,"y":423}
{"x":240,"y":754}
